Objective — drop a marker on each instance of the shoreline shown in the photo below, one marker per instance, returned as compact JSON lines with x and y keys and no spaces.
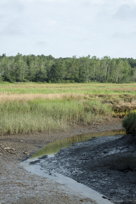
{"x":19,"y":186}
{"x":20,"y":147}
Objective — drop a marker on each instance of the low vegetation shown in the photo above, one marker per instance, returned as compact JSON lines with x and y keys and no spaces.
{"x":47,"y":115}
{"x":34,"y":107}
{"x":129,"y":124}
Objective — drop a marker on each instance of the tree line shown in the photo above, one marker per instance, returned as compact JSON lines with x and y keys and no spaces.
{"x":25,"y":68}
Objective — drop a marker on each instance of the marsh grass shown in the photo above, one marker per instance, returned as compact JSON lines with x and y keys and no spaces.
{"x":40,"y":107}
{"x":80,"y":88}
{"x":19,"y":117}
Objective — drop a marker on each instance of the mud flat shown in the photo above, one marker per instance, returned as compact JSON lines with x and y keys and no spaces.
{"x":106,"y":164}
{"x":18,"y":186}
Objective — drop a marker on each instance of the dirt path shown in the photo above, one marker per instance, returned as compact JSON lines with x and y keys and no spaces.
{"x":21,"y":187}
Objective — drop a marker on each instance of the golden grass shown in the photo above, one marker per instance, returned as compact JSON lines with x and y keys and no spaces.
{"x":28,"y":97}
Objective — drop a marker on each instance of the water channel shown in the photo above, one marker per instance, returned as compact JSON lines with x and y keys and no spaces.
{"x":104,"y":161}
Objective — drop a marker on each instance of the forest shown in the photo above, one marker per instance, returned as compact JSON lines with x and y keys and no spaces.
{"x":25,"y":68}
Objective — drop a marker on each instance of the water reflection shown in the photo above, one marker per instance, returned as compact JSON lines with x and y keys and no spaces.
{"x":56,"y":146}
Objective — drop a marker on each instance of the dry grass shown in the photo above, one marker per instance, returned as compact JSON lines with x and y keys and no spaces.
{"x":28,"y":97}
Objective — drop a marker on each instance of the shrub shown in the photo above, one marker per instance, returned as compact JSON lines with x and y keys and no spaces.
{"x":129,"y":124}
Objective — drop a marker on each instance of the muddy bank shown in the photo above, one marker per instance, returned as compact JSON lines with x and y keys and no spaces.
{"x":106,"y":164}
{"x":19,"y":186}
{"x":20,"y":147}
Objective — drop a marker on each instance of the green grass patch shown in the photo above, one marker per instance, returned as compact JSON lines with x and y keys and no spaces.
{"x":86,"y":88}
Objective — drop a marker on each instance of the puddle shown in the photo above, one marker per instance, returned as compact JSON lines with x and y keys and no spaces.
{"x":55,"y":147}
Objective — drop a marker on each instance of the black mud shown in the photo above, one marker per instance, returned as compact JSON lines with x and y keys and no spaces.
{"x":106,"y":164}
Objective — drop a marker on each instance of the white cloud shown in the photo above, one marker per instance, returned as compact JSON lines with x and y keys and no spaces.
{"x":125,"y":35}
{"x":126,"y":12}
{"x":68,"y":27}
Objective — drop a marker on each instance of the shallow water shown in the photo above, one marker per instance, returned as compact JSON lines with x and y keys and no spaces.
{"x":55,"y":147}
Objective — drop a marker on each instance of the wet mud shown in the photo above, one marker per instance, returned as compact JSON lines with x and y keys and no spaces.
{"x":107,"y":164}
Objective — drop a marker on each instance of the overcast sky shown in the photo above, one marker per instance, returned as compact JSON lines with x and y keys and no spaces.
{"x":68,"y":27}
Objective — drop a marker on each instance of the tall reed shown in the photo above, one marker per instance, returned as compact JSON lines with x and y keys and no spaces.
{"x":39,"y":115}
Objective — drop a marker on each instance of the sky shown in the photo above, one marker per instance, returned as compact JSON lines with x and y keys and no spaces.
{"x":65,"y":28}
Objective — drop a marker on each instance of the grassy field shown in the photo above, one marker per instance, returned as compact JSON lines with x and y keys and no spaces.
{"x":40,"y":107}
{"x":88,"y":88}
